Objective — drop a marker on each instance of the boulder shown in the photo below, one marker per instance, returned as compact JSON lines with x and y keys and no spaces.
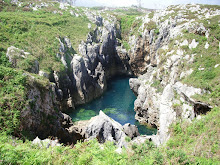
{"x":105,"y":129}
{"x":18,"y":57}
{"x":14,"y":53}
{"x":131,"y":130}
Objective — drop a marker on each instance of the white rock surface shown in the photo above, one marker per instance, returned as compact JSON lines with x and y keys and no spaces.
{"x":193,"y":44}
{"x":43,"y":74}
{"x":45,"y":143}
{"x":206,"y":45}
{"x":184,"y":43}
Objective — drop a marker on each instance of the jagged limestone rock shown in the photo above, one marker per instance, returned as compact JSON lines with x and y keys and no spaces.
{"x":131,"y":130}
{"x":104,"y":129}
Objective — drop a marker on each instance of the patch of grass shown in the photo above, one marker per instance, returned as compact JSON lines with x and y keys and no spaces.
{"x":129,"y":26}
{"x":205,"y":58}
{"x":156,"y":84}
{"x":12,"y":100}
{"x":17,"y":152}
{"x":126,"y":23}
{"x":156,"y":31}
{"x":36,"y":32}
{"x":151,"y":15}
{"x":213,"y":26}
{"x":210,"y":7}
{"x":198,"y":139}
{"x":150,"y":25}
{"x":129,"y":11}
{"x":191,"y":15}
{"x":135,"y":26}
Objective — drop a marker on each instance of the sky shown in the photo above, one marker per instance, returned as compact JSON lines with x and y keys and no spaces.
{"x":153,"y":4}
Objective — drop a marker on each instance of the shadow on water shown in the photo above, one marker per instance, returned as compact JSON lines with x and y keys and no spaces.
{"x":117,"y":102}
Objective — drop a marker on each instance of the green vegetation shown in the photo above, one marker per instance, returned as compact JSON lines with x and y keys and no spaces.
{"x":191,"y":143}
{"x":37,"y":32}
{"x":126,"y":45}
{"x":211,"y":7}
{"x":129,"y":23}
{"x":151,"y":15}
{"x":151,"y":25}
{"x":156,"y":84}
{"x":129,"y":11}
{"x":199,"y":140}
{"x":126,"y":23}
{"x":12,"y":100}
{"x":17,"y":152}
{"x":12,"y":96}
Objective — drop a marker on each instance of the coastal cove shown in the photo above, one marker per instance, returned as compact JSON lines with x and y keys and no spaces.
{"x":117,"y":102}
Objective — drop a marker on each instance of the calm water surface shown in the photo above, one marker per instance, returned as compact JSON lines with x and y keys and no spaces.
{"x":117,"y":102}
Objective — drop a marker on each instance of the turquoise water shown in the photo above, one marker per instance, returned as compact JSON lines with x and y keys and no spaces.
{"x":117,"y":102}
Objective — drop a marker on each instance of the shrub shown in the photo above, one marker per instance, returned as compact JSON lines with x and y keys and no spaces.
{"x":12,"y":98}
{"x":150,"y":25}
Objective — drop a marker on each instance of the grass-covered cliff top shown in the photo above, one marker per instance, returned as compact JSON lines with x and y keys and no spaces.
{"x":38,"y":31}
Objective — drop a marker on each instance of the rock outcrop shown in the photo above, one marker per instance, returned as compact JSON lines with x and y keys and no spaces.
{"x":158,"y":58}
{"x":103,"y":128}
{"x":98,"y":60}
{"x":131,"y":130}
{"x":42,"y":116}
{"x":23,"y":60}
{"x":159,"y":110}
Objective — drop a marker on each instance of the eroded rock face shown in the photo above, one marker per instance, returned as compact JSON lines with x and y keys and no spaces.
{"x":99,"y":59}
{"x":146,"y":105}
{"x":161,"y":97}
{"x":131,"y":130}
{"x":103,"y":128}
{"x":162,"y":109}
{"x":42,"y":116}
{"x":140,"y":55}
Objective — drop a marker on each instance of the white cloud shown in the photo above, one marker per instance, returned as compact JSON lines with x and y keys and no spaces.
{"x":145,"y":3}
{"x":116,"y":2}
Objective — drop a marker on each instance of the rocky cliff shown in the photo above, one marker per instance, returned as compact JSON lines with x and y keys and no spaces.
{"x":159,"y":57}
{"x":98,"y":60}
{"x":163,"y":53}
